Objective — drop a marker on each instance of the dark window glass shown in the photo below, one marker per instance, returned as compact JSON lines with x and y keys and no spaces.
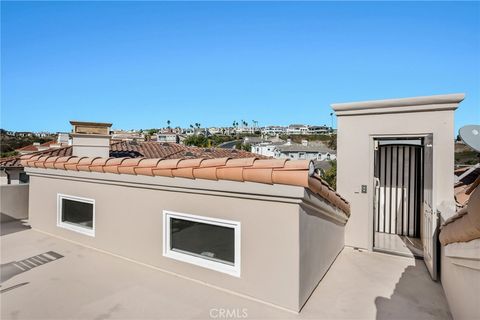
{"x":204,"y":240}
{"x":77,"y":212}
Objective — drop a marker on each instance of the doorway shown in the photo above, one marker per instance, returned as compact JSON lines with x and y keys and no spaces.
{"x":398,"y":198}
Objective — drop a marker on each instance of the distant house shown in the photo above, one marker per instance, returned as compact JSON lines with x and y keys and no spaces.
{"x":287,"y":150}
{"x":297,"y":129}
{"x":61,"y":141}
{"x":128,"y":135}
{"x":36,"y":146}
{"x":245,"y":130}
{"x":319,"y":130}
{"x":216,"y":130}
{"x":265,"y":148}
{"x":197,"y":132}
{"x":305,"y":151}
{"x":273,"y":130}
{"x":43,"y":134}
{"x":24,"y":134}
{"x":168,"y":137}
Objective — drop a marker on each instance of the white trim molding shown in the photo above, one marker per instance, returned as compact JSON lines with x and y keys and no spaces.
{"x":415,"y":104}
{"x":71,"y":226}
{"x":233,"y":269}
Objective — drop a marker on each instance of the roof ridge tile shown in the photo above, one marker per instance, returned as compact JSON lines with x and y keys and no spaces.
{"x":267,"y":171}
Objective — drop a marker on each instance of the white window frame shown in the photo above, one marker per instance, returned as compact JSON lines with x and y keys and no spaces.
{"x":233,"y":270}
{"x":72,"y":226}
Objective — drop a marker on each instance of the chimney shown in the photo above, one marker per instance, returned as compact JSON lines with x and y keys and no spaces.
{"x":91,"y":139}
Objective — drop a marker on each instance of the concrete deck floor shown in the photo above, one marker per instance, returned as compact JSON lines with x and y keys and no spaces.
{"x":401,"y":245}
{"x":87,"y":284}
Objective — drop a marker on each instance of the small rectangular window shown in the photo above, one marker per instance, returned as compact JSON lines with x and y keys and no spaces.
{"x":76,"y":214}
{"x":206,"y":242}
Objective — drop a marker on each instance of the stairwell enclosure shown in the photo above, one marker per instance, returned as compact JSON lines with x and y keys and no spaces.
{"x":360,"y":123}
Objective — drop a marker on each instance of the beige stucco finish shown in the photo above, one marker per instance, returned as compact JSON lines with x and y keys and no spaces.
{"x":461,"y":278}
{"x":360,"y":122}
{"x":90,"y":145}
{"x":88,"y":284}
{"x":285,"y":250}
{"x":13,"y":201}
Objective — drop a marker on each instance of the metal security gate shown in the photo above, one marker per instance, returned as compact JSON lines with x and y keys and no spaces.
{"x":398,"y":192}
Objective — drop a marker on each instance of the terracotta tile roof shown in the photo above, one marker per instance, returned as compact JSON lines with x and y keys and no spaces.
{"x":166,"y":150}
{"x":466,"y":184}
{"x":30,"y":147}
{"x":15,"y":161}
{"x":33,"y":148}
{"x":465,"y":224}
{"x":11,"y":162}
{"x":268,"y":171}
{"x":148,"y":149}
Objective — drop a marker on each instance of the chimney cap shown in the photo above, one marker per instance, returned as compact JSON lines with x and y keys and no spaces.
{"x":89,"y":123}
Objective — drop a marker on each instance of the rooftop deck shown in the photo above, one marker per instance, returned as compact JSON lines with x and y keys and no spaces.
{"x":79,"y":282}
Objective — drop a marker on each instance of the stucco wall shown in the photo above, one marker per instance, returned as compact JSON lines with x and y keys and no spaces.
{"x":460,"y":275}
{"x":85,"y":145}
{"x":355,"y":161}
{"x":129,"y":223}
{"x":321,"y":240}
{"x":14,"y":201}
{"x":288,"y":237}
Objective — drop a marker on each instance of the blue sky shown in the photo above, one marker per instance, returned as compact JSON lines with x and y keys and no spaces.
{"x":139,"y":64}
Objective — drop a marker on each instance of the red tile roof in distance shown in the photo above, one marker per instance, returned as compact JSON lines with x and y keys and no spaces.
{"x":33,"y":148}
{"x":252,"y":169}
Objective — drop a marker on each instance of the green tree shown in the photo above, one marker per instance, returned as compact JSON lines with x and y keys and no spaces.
{"x":198,"y":141}
{"x":332,"y":142}
{"x":151,"y":132}
{"x":330,"y":175}
{"x":8,"y":154}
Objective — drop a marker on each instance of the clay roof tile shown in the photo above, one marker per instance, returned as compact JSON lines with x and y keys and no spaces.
{"x":270,"y":163}
{"x":217,"y":162}
{"x":251,"y":169}
{"x":85,"y":163}
{"x":128,"y":165}
{"x":72,"y":163}
{"x":146,"y":166}
{"x":240,"y":162}
{"x":190,"y":163}
{"x":168,"y":164}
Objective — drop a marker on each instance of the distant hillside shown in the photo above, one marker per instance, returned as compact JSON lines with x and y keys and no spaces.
{"x":465,"y":155}
{"x":9,"y":144}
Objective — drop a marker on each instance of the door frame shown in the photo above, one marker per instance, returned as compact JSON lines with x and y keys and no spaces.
{"x":371,"y":181}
